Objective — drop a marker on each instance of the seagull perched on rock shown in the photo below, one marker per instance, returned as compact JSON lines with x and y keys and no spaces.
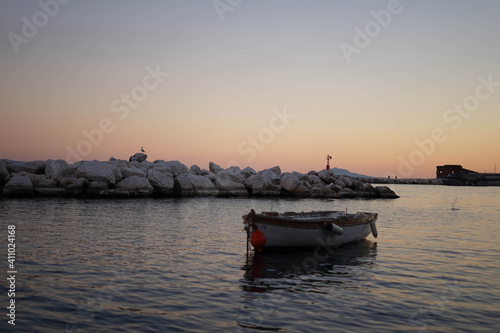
{"x":142,"y":150}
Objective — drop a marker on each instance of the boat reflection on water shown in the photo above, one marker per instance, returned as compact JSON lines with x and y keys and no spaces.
{"x":266,"y":267}
{"x":275,"y":285}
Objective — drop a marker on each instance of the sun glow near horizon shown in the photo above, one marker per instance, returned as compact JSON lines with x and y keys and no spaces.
{"x":175,"y":78}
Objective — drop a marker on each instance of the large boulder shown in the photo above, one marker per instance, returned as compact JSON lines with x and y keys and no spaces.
{"x":77,"y":187}
{"x":235,"y":176}
{"x":161,"y":180}
{"x":35,"y":167}
{"x":45,"y":183}
{"x":348,"y":183}
{"x":135,"y":186}
{"x":195,"y":169}
{"x":325,"y":192}
{"x":70,"y":170}
{"x":54,"y":169}
{"x":96,"y":187}
{"x":347,"y":193}
{"x":365,"y":190}
{"x":97,"y":171}
{"x":210,"y":175}
{"x":120,"y":164}
{"x":214,"y":168}
{"x":139,"y":157}
{"x":247,"y":172}
{"x":228,"y":187}
{"x":328,"y":176}
{"x":276,"y":169}
{"x":187,"y":184}
{"x":315,"y":180}
{"x":174,"y":167}
{"x":18,"y":186}
{"x":385,"y":192}
{"x":35,"y":179}
{"x":129,"y":172}
{"x":291,"y":183}
{"x":264,"y":184}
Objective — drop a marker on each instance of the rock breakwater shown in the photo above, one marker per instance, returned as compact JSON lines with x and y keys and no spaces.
{"x":139,"y":177}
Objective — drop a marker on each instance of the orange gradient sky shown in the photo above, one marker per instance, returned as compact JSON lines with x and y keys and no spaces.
{"x":254,"y":83}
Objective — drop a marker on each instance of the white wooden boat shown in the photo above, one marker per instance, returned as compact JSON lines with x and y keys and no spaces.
{"x":270,"y":230}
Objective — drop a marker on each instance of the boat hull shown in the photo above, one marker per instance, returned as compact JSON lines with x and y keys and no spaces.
{"x":281,"y":231}
{"x":277,"y":236}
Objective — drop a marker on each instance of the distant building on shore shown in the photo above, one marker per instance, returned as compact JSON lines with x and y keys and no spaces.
{"x":445,"y":170}
{"x":457,"y":175}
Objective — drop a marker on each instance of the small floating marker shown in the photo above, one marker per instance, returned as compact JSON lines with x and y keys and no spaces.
{"x":258,"y":240}
{"x":374,"y":229}
{"x":335,"y":228}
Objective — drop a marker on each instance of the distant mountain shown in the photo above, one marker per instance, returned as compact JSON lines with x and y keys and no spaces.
{"x":344,"y":172}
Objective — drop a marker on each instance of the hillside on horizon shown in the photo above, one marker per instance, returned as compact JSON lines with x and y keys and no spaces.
{"x":344,"y":172}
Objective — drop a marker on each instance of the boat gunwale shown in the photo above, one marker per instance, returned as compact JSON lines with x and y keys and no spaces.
{"x":315,"y":222}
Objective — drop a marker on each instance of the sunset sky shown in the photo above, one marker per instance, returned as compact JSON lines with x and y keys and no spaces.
{"x":385,"y":87}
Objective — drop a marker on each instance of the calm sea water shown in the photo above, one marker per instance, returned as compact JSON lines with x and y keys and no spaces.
{"x":179,"y":265}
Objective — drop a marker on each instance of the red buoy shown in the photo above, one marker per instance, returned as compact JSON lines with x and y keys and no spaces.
{"x":258,"y":240}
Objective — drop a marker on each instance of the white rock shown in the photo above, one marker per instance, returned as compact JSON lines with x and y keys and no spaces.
{"x":212,"y":176}
{"x":327,"y":176}
{"x":275,"y":169}
{"x":54,"y":169}
{"x":227,"y":187}
{"x":94,"y":170}
{"x":135,"y":186}
{"x":139,"y":157}
{"x":247,"y":172}
{"x":214,"y":168}
{"x":325,"y":192}
{"x":346,"y":181}
{"x":195,"y":169}
{"x":70,"y":171}
{"x":235,"y":176}
{"x":347,"y":193}
{"x":161,"y":180}
{"x":187,"y":184}
{"x":35,"y":167}
{"x":264,"y":184}
{"x":77,"y":187}
{"x":129,"y":172}
{"x":315,"y":181}
{"x":96,"y":187}
{"x":18,"y":186}
{"x":339,"y":182}
{"x":45,"y":183}
{"x":35,"y":179}
{"x":385,"y":192}
{"x":291,"y":183}
{"x":120,"y":164}
{"x":174,"y":167}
